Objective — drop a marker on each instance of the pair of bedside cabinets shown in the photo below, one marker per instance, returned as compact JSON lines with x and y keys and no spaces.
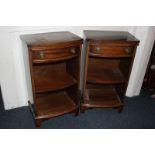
{"x":55,"y":66}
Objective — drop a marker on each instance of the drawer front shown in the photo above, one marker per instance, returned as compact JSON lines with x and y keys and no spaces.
{"x":107,"y":51}
{"x":55,"y":54}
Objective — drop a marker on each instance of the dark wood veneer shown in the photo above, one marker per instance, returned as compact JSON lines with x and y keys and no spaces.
{"x":108,"y":63}
{"x":54,"y":60}
{"x":104,"y":97}
{"x":53,"y":104}
{"x":104,"y":72}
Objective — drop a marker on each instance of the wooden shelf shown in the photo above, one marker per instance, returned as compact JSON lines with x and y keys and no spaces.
{"x":53,"y":104}
{"x":106,"y":97}
{"x":105,"y":75}
{"x":53,"y":82}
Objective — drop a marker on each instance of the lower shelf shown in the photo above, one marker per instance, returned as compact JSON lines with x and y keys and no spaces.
{"x":53,"y":104}
{"x":105,"y":97}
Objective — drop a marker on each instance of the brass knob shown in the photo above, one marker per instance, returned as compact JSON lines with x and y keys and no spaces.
{"x":98,"y":49}
{"x":41,"y":54}
{"x":73,"y":51}
{"x":127,"y":50}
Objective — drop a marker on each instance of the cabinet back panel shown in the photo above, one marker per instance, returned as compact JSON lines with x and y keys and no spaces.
{"x":49,"y":68}
{"x":111,"y":63}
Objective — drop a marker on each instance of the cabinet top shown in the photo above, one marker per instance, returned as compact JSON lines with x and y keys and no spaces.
{"x":45,"y":39}
{"x":109,"y":36}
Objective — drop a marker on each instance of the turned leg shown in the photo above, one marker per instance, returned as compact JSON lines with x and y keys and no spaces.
{"x":120,"y":109}
{"x":38,"y":123}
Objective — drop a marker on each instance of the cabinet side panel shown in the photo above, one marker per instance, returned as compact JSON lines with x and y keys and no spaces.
{"x":85,"y":65}
{"x":127,"y":68}
{"x":27,"y":72}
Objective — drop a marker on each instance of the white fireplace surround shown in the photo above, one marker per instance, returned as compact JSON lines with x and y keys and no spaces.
{"x":14,"y":70}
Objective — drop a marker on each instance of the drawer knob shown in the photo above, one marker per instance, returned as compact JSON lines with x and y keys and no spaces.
{"x":41,"y":54}
{"x":127,"y":50}
{"x":98,"y":49}
{"x":73,"y":51}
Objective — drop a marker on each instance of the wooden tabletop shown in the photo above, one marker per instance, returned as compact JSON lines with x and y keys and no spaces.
{"x":109,"y":36}
{"x":49,"y":38}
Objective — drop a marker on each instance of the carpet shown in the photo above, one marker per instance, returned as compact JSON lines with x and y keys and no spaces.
{"x":138,"y":113}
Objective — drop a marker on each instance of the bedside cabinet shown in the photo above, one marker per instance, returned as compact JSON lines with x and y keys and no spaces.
{"x":54,"y":60}
{"x":108,"y":62}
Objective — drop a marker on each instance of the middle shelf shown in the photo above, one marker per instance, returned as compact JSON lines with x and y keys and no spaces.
{"x":103,"y":75}
{"x":53,"y":82}
{"x":54,"y":76}
{"x":106,"y":71}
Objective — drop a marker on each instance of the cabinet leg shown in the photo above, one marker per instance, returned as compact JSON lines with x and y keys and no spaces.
{"x":82,"y":109}
{"x":120,"y":109}
{"x":38,"y":123}
{"x":77,"y":112}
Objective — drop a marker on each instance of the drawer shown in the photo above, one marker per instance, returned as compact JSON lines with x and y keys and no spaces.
{"x":111,"y":51}
{"x":54,"y":55}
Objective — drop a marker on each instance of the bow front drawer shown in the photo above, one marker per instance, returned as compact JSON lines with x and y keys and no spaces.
{"x":111,"y":51}
{"x":54,"y":55}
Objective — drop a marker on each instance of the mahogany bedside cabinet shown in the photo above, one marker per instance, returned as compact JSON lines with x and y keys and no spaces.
{"x":54,"y":61}
{"x":109,"y":57}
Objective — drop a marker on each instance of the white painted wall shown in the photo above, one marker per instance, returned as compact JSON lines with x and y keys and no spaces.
{"x":14,"y":69}
{"x":7,"y":70}
{"x":147,"y":36}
